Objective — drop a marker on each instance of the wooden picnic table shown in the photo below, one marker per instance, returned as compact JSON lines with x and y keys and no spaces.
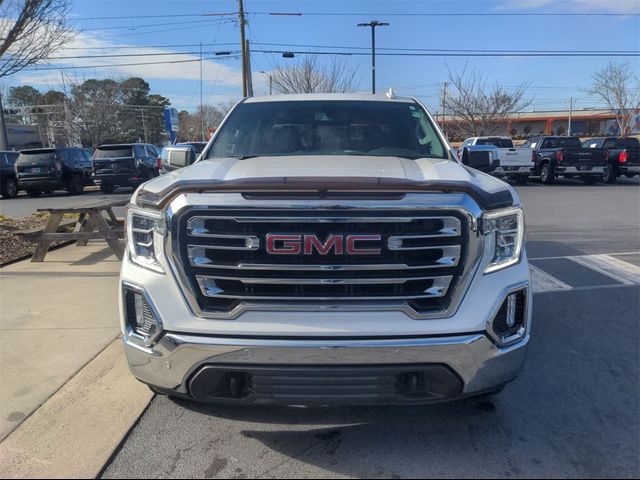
{"x":90,"y":225}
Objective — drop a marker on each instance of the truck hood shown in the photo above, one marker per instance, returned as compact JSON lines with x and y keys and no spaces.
{"x":351,"y":170}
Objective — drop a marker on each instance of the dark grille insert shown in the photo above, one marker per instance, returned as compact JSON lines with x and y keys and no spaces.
{"x":325,"y":385}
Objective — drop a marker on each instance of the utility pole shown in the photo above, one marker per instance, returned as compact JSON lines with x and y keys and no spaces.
{"x":245,"y":91}
{"x":4,"y":141}
{"x":373,"y":24}
{"x":144,"y":126}
{"x":67,"y":127}
{"x":201,"y":106}
{"x":248,"y":70}
{"x":570,"y":115}
{"x":444,"y":104}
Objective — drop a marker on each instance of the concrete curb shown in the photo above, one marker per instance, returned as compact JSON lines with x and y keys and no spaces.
{"x":74,"y":433}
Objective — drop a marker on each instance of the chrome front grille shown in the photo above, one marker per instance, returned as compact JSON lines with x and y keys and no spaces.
{"x":222,"y":258}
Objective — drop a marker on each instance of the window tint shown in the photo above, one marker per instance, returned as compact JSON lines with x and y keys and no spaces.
{"x":328,"y":128}
{"x":497,"y":141}
{"x":628,"y":143}
{"x":561,"y":142}
{"x":9,"y":158}
{"x":151,"y":151}
{"x":609,"y":143}
{"x":139,"y":151}
{"x":37,"y":156}
{"x":113,"y":152}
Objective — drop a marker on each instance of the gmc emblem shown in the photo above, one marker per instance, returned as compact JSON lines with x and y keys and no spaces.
{"x":310,"y":244}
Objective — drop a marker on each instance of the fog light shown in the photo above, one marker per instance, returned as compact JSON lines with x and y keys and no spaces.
{"x":144,"y":324}
{"x":509,"y":324}
{"x":511,"y":310}
{"x":139,"y":308}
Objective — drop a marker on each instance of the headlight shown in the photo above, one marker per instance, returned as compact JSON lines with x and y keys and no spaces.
{"x":504,"y":236}
{"x":145,"y":231}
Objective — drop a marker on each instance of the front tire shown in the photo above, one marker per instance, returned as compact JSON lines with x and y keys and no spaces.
{"x":10,"y":188}
{"x":546,"y":174}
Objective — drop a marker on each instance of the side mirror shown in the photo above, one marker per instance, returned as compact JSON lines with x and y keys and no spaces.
{"x":180,"y":157}
{"x":480,"y":160}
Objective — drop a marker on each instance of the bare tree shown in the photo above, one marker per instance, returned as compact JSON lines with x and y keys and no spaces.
{"x":30,"y":31}
{"x":309,"y":76}
{"x":479,"y":108}
{"x":619,"y":87}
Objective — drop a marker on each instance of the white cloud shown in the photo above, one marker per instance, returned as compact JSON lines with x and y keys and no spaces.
{"x":581,"y":6}
{"x":213,"y":71}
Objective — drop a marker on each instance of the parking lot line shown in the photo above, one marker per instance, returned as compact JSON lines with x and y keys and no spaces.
{"x":544,"y":282}
{"x":614,"y":268}
{"x":616,"y":254}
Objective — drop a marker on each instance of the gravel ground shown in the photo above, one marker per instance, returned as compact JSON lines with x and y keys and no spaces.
{"x":13,"y":247}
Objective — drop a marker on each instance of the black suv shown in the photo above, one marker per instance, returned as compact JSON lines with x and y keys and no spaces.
{"x":8,"y":180}
{"x":48,"y":169}
{"x":126,"y":165}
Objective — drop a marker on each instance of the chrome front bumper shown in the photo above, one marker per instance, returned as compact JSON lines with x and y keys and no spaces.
{"x":171,"y":363}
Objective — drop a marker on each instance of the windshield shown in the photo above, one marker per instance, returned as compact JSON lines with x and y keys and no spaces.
{"x":113,"y":152}
{"x":498,"y":142}
{"x":328,"y":128}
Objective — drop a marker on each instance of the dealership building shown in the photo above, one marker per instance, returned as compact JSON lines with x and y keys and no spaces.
{"x":585,"y":122}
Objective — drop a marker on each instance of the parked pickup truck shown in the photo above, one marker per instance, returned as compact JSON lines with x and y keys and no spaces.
{"x":326,"y":249}
{"x":556,"y":156}
{"x":624,"y":156}
{"x":514,"y":163}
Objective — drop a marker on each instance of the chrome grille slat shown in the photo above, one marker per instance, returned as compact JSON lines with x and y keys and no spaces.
{"x":322,"y":281}
{"x":439,"y":289}
{"x":450,"y":258}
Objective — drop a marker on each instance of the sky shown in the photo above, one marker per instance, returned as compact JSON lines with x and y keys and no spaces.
{"x":134,"y":27}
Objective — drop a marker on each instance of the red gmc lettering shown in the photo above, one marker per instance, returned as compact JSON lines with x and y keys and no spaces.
{"x":309,"y":244}
{"x":353,"y":250}
{"x":288,"y":244}
{"x":334,"y":242}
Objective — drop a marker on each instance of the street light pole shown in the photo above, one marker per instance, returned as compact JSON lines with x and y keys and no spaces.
{"x":270,"y":81}
{"x":373,"y":24}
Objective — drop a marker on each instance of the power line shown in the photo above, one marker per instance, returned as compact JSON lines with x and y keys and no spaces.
{"x":137,"y":26}
{"x":131,"y":17}
{"x":182,"y":45}
{"x":455,"y":50}
{"x":368,"y":14}
{"x":347,"y":47}
{"x":131,"y":64}
{"x":389,"y":52}
{"x":453,"y":54}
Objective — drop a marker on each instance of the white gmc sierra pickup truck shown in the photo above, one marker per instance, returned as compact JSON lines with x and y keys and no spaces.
{"x":514,"y":163}
{"x":326,"y":249}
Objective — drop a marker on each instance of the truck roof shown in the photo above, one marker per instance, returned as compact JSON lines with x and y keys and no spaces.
{"x":329,"y":97}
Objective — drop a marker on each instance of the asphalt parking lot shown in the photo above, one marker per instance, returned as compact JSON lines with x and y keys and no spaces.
{"x":574,"y":411}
